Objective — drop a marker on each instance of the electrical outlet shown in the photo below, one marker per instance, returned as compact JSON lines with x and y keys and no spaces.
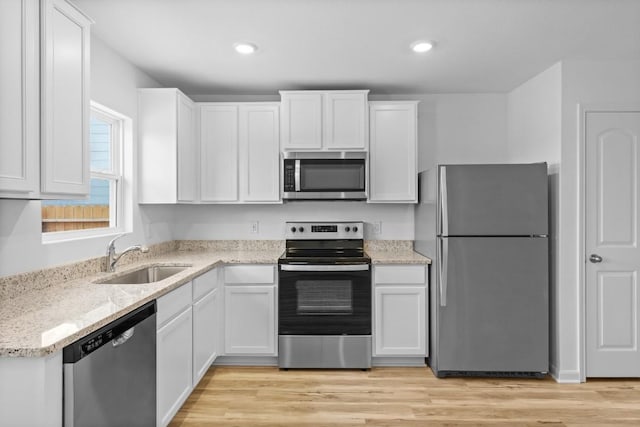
{"x":254,"y":227}
{"x":377,"y":227}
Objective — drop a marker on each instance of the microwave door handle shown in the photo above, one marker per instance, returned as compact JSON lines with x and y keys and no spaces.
{"x":297,"y":175}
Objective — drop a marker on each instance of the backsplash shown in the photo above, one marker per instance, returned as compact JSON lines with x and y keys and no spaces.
{"x":229,"y":245}
{"x":388,"y":245}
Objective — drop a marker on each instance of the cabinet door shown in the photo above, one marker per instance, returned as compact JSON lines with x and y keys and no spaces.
{"x":205,"y":334}
{"x":393,"y":152}
{"x":259,"y":153}
{"x":249,"y":320}
{"x":301,"y":121}
{"x":400,"y":325}
{"x":188,"y":167}
{"x":19,"y":103}
{"x":345,"y":121}
{"x":65,"y":99}
{"x":219,"y":153}
{"x":174,"y":366}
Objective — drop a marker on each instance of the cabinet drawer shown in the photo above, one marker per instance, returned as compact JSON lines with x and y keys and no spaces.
{"x":404,"y":274}
{"x":204,"y":284}
{"x":173,"y":303}
{"x":252,"y":274}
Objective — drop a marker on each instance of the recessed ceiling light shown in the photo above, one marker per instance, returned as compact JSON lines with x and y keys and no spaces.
{"x":421,"y":46}
{"x":245,"y":48}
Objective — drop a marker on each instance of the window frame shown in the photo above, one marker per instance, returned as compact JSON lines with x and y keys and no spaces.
{"x":116,"y":177}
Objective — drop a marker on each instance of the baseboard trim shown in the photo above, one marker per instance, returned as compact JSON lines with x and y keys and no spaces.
{"x":398,"y":361}
{"x":564,"y":376}
{"x":246,"y":361}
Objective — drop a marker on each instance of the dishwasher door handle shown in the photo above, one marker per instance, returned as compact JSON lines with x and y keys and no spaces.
{"x":123,"y":337}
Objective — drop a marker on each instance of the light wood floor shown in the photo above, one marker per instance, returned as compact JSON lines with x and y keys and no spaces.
{"x":234,"y":396}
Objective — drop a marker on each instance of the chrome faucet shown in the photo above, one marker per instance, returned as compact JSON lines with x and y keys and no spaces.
{"x":113,"y":258}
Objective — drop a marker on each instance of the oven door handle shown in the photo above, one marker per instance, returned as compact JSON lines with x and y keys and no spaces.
{"x":307,"y":267}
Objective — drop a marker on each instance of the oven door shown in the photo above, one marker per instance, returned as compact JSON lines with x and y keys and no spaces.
{"x":324,"y":299}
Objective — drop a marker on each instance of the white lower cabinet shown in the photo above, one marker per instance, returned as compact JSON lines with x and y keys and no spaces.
{"x":250,"y":320}
{"x":400,"y":314}
{"x":250,"y":311}
{"x":206,"y":322}
{"x":205,"y":334}
{"x":174,"y":353}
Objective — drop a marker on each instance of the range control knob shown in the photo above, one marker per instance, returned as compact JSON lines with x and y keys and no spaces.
{"x":355,"y":229}
{"x":347,"y":229}
{"x":293,"y":229}
{"x":301,"y":229}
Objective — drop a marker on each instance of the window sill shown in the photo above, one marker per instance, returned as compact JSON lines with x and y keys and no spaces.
{"x":75,"y":235}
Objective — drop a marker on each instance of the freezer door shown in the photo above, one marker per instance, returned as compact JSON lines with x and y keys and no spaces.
{"x":492,"y":312}
{"x":493,"y":200}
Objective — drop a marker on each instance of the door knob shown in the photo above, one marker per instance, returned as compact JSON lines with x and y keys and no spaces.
{"x":595,"y":258}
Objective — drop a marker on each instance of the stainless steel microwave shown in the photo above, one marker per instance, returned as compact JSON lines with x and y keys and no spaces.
{"x":324,"y":175}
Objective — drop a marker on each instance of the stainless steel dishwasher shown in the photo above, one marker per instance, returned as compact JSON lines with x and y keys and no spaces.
{"x":110,"y":375}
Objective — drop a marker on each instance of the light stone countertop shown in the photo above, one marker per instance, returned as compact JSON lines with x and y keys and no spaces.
{"x":43,"y":321}
{"x":393,"y":252}
{"x":400,"y":256}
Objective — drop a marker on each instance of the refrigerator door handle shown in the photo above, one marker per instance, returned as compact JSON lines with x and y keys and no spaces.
{"x":444,"y":261}
{"x":444,"y":222}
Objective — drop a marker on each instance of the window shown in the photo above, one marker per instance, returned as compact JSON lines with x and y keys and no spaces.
{"x":103,"y":209}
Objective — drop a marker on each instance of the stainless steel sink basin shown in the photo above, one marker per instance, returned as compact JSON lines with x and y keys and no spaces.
{"x":151,"y":274}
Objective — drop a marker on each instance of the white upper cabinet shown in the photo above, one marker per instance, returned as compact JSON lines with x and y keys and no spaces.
{"x":219,"y":152}
{"x":301,"y":120}
{"x":64,"y":99}
{"x":168,"y":150}
{"x":240,"y":152}
{"x":259,"y":153}
{"x":19,"y":103}
{"x":44,"y":99}
{"x":345,"y":120}
{"x":324,"y":120}
{"x":393,"y":149}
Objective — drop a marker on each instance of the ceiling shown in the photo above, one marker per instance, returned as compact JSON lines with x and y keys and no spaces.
{"x":481,"y":45}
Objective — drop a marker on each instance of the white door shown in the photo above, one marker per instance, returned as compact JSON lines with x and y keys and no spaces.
{"x":612,"y":254}
{"x":249,"y":320}
{"x":205,"y":334}
{"x":301,"y":121}
{"x":345,"y":121}
{"x":174,"y":366}
{"x":259,"y":153}
{"x":65,"y":99}
{"x":400,"y":321}
{"x":219,"y":153}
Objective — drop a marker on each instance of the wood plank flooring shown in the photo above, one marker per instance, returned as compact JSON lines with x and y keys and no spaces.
{"x":266,"y":396}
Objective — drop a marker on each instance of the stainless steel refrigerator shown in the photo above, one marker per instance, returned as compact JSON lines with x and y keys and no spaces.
{"x":486,"y":229}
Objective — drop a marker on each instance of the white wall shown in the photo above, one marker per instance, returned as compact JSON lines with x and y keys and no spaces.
{"x":534,"y":135}
{"x":233,"y":221}
{"x":113,"y":84}
{"x":471,"y":128}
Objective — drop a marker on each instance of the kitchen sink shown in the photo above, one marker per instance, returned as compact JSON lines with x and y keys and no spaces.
{"x":151,"y":274}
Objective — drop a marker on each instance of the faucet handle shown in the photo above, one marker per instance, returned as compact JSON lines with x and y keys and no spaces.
{"x":144,"y":249}
{"x":113,"y":242}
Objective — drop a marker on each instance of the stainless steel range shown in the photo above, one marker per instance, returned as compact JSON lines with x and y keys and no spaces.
{"x":324,"y":297}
